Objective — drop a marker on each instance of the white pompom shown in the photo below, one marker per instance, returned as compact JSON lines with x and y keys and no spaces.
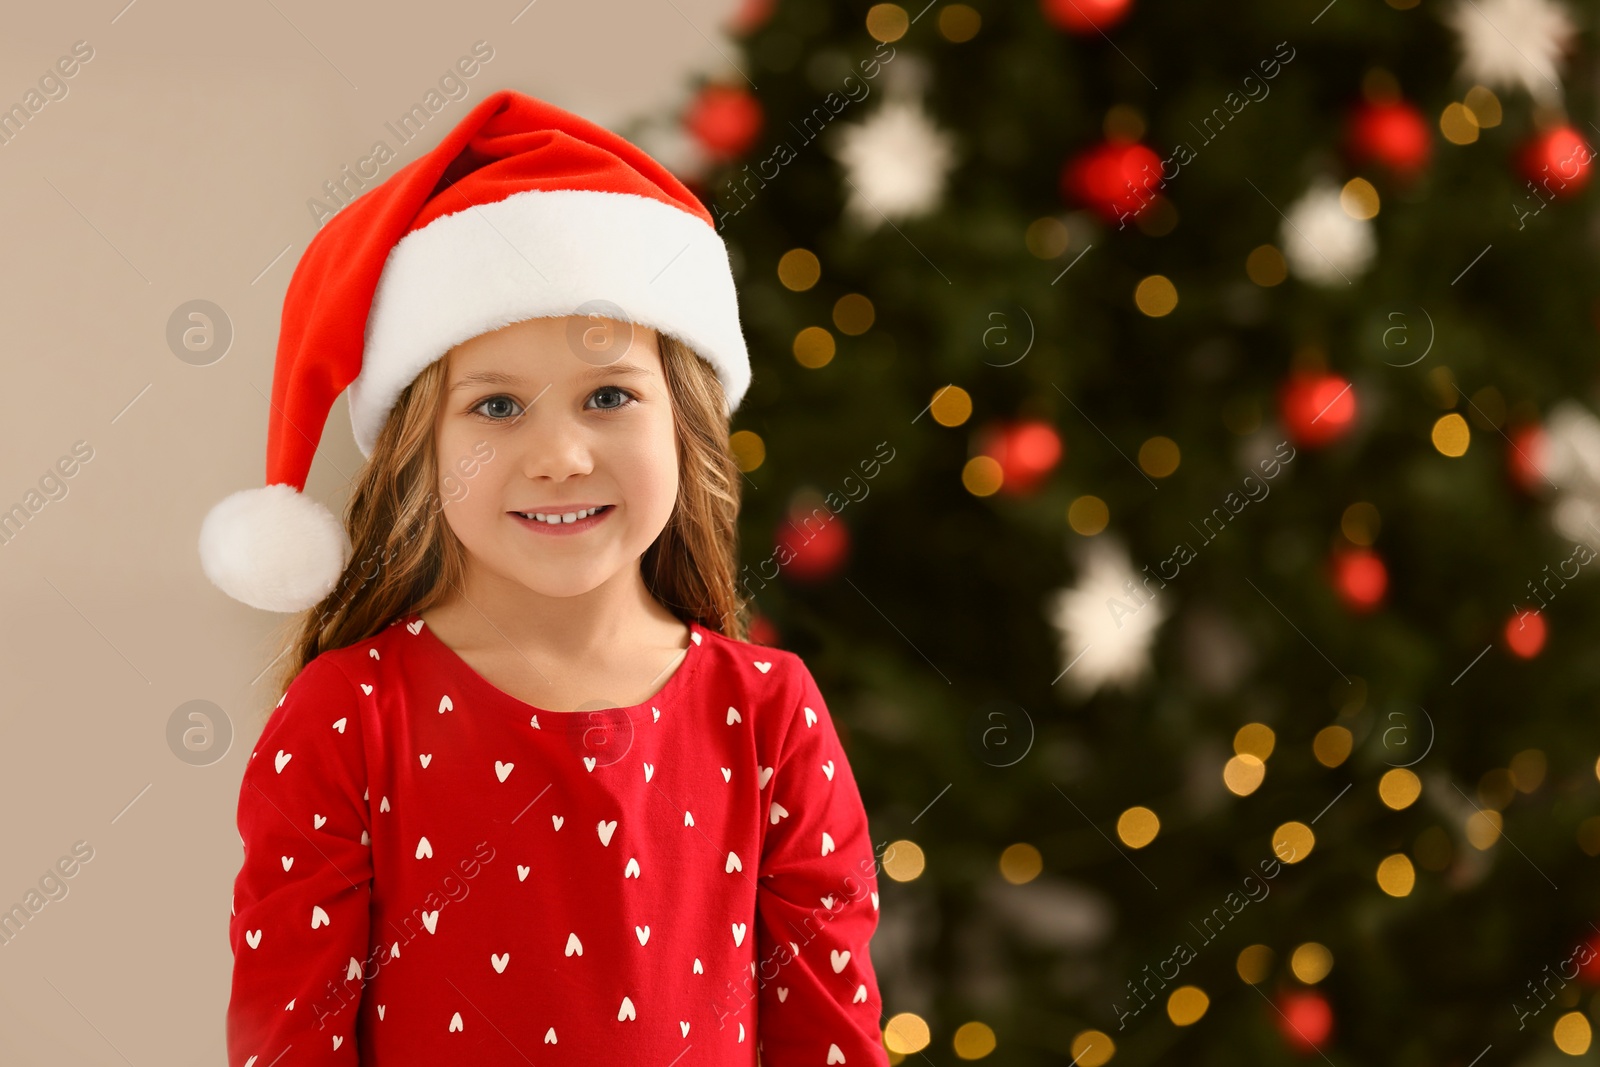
{"x":1323,"y":242}
{"x":1107,"y":623}
{"x":273,"y":548}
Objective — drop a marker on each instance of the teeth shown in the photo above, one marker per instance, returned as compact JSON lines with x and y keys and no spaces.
{"x":557,"y":520}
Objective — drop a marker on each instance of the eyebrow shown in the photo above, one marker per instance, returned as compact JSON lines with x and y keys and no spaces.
{"x":492,"y":377}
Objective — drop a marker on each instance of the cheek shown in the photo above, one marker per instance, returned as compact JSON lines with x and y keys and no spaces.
{"x":647,"y":466}
{"x":465,"y":487}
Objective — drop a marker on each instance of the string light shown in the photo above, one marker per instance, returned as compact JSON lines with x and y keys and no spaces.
{"x":1088,"y":515}
{"x":906,"y":1033}
{"x":1243,"y":774}
{"x":1399,"y":788}
{"x":973,"y":1041}
{"x":904,"y":860}
{"x":1254,"y":739}
{"x":1156,"y":296}
{"x":1254,"y":964}
{"x":1332,"y":744}
{"x":1311,"y":962}
{"x":1091,"y":1048}
{"x":1021,"y":863}
{"x":1187,"y":1004}
{"x":799,"y":269}
{"x":1293,"y":842}
{"x":1138,"y":827}
{"x":1396,"y":876}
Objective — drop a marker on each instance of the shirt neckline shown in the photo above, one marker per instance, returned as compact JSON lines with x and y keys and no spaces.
{"x":578,"y":720}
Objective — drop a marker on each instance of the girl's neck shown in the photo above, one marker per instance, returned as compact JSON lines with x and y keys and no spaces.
{"x":619,"y":614}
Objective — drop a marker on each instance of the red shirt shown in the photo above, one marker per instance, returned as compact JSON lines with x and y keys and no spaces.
{"x":436,"y":872}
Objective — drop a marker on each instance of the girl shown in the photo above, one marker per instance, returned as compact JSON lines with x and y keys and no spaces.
{"x":529,"y":795}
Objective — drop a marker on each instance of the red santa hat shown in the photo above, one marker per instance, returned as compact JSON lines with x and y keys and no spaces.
{"x":523,"y":211}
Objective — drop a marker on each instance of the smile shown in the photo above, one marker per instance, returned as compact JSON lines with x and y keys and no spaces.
{"x":569,"y":522}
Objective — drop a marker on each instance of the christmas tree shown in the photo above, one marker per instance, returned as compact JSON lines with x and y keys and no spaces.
{"x":1172,"y":449}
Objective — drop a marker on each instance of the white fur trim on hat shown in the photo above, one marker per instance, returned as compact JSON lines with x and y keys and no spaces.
{"x":545,"y":253}
{"x":273,"y":548}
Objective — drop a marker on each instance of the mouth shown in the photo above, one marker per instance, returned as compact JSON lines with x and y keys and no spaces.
{"x":564,"y":522}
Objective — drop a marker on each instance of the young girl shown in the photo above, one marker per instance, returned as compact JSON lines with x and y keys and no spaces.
{"x":529,"y":795}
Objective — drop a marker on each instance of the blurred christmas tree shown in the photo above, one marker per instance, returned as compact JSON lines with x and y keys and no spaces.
{"x":1171,"y":447}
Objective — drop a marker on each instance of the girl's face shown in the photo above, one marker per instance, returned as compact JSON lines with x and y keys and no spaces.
{"x":551,"y":417}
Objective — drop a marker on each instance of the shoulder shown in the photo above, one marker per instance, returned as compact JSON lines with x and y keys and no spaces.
{"x":778,"y":670}
{"x":775,"y":682}
{"x":327,"y":677}
{"x":340,"y":669}
{"x":329,"y":687}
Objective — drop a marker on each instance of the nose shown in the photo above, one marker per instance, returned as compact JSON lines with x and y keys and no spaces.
{"x":555,"y":443}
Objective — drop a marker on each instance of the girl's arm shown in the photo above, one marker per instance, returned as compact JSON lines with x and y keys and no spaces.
{"x":300,"y":922}
{"x":816,"y":902}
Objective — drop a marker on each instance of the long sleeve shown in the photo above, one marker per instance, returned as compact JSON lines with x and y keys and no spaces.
{"x":300,"y":922}
{"x":816,"y":902}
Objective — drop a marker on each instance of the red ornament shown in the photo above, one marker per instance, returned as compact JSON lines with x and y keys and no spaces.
{"x":812,"y":544}
{"x":1359,"y":577}
{"x":1557,"y":161}
{"x":1305,"y":1019}
{"x":750,"y":16}
{"x":725,"y":119}
{"x":1525,"y":633}
{"x":1589,"y":967}
{"x":1027,"y":452}
{"x":1394,"y":133}
{"x":1085,"y":16}
{"x":1114,"y":178}
{"x":1317,"y":409}
{"x":1527,"y":455}
{"x":762,"y":632}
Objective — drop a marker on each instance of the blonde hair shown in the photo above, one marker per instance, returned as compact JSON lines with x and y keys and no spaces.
{"x":405,"y":557}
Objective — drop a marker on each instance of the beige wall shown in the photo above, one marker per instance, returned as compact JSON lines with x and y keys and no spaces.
{"x":176,"y":168}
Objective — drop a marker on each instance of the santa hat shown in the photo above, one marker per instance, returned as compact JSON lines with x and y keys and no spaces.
{"x":523,"y":211}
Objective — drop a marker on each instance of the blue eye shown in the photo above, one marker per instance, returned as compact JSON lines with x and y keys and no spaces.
{"x":497,"y":399}
{"x":610,"y":389}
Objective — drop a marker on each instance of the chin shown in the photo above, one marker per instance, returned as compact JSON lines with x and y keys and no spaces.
{"x":560,"y":581}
